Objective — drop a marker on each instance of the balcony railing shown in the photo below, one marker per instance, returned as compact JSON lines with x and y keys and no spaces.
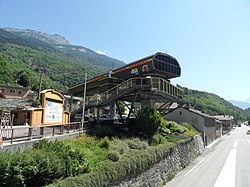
{"x":22,"y":132}
{"x":153,"y":84}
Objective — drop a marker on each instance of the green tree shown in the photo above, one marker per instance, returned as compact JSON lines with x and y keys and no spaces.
{"x":5,"y":71}
{"x":24,"y":79}
{"x":148,"y":121}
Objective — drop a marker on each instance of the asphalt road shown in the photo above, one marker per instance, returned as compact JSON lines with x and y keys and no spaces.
{"x":225,"y":164}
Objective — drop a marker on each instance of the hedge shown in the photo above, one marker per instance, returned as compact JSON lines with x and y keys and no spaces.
{"x":132,"y":162}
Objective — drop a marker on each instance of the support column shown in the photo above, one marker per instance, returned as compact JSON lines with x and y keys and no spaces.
{"x":98,"y":115}
{"x":70,"y":102}
{"x":112,"y":109}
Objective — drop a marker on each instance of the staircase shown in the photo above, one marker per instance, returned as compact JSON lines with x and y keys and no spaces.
{"x":152,"y":85}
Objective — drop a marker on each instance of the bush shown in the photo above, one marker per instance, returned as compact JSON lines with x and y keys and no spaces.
{"x":176,"y":128}
{"x":114,"y":156}
{"x":134,"y":162}
{"x":157,"y":139}
{"x":172,"y":138}
{"x":148,"y":121}
{"x":30,"y":168}
{"x":136,"y":143}
{"x":49,"y":167}
{"x":104,"y":143}
{"x":20,"y":168}
{"x":86,"y":141}
{"x":73,"y":159}
{"x":119,"y":145}
{"x":4,"y":167}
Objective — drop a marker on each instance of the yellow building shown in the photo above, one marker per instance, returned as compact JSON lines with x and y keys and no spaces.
{"x":52,"y":111}
{"x":23,"y":111}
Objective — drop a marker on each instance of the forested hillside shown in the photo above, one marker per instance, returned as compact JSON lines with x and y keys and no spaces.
{"x":24,"y":53}
{"x":213,"y":104}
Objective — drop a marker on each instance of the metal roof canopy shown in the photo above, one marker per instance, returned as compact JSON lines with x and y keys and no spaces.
{"x":159,"y":64}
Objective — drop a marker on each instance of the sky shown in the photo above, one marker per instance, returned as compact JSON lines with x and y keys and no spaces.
{"x":210,"y":39}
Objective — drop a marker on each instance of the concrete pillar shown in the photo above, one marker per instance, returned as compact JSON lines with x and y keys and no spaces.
{"x":98,"y":115}
{"x":112,"y":109}
{"x":70,"y":103}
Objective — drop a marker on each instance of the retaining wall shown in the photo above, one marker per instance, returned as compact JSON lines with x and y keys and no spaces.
{"x":159,"y":174}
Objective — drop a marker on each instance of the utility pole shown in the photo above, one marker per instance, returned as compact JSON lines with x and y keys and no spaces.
{"x":40,"y":83}
{"x":84,"y":99}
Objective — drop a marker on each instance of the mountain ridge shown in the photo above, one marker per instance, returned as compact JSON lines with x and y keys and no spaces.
{"x":59,"y":43}
{"x":22,"y":57}
{"x":241,"y":104}
{"x":55,"y":39}
{"x":213,"y":104}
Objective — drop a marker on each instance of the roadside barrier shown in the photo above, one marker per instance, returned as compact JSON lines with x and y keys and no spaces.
{"x":17,"y":133}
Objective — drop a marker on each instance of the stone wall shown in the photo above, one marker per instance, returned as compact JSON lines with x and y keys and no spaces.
{"x":165,"y":170}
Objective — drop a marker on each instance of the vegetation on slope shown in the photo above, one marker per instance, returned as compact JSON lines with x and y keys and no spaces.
{"x":89,"y":160}
{"x":213,"y":104}
{"x":23,"y":57}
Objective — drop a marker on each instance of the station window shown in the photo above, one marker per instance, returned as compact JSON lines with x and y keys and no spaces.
{"x":19,"y":92}
{"x":12,"y":91}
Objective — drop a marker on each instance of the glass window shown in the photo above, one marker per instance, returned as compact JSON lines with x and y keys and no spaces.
{"x":12,"y":91}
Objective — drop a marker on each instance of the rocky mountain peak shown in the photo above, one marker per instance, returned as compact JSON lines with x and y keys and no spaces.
{"x":52,"y":39}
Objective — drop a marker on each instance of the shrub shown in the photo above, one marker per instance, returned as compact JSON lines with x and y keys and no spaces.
{"x":4,"y":167}
{"x":49,"y":167}
{"x":119,"y":145}
{"x":172,"y":138}
{"x":73,"y":159}
{"x":20,"y":168}
{"x":175,"y":127}
{"x":87,"y":141}
{"x":136,"y":143}
{"x":157,"y":139}
{"x":114,"y":156}
{"x":148,"y":121}
{"x":134,"y":162}
{"x":104,"y":143}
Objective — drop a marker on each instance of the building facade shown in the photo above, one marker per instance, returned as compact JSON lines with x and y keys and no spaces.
{"x":200,"y":121}
{"x":227,"y":121}
{"x":7,"y":91}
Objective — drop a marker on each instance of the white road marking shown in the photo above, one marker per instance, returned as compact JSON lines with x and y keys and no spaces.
{"x":227,"y":174}
{"x":197,"y":164}
{"x":218,"y":145}
{"x":235,"y":144}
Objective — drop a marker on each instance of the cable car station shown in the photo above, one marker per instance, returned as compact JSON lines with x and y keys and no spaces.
{"x":145,"y":81}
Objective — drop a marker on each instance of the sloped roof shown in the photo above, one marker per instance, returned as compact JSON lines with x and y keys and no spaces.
{"x":12,"y":104}
{"x":10,"y":86}
{"x":224,"y":117}
{"x":194,"y":111}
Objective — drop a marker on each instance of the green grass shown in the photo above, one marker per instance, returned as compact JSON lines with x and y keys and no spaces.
{"x":94,"y":154}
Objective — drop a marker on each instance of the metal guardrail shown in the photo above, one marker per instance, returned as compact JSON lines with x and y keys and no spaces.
{"x":18,"y":133}
{"x":151,"y":83}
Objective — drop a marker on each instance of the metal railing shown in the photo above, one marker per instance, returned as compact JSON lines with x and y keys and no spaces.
{"x":150,"y":83}
{"x":18,"y":133}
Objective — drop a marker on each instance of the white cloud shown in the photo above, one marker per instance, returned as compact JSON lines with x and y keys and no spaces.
{"x":101,"y":52}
